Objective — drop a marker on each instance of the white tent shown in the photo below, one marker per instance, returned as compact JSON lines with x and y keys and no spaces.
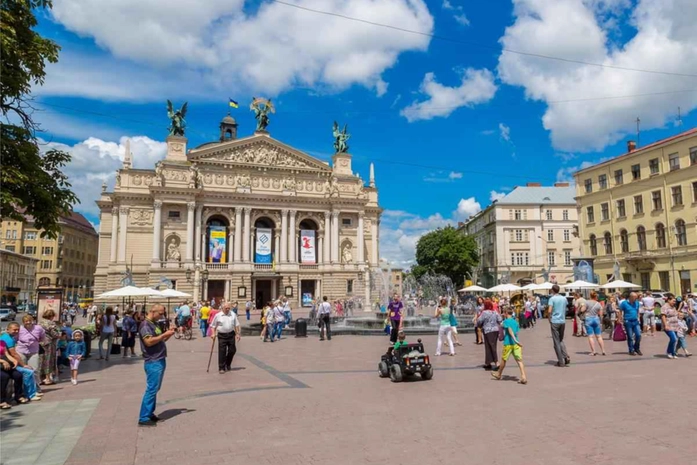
{"x":172,"y":294}
{"x":580,"y":285}
{"x":543,"y":287}
{"x":129,"y":291}
{"x":529,"y":287}
{"x":474,"y":288}
{"x":505,"y":288}
{"x":619,"y":284}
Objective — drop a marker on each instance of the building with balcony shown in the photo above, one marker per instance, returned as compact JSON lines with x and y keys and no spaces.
{"x":638,"y":214}
{"x":67,"y":262}
{"x":17,"y":277}
{"x":527,"y":236}
{"x":241,"y":218}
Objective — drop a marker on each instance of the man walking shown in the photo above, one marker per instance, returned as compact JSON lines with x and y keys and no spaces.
{"x":580,"y":306}
{"x":226,"y":327}
{"x":629,"y":316}
{"x":248,"y":309}
{"x":324,"y":314}
{"x":278,"y":319}
{"x":394,"y":310}
{"x":152,"y":343}
{"x":557,"y":320}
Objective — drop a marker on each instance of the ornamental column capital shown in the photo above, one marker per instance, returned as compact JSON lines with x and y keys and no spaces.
{"x":114,"y":210}
{"x":191,"y":206}
{"x":123,"y":210}
{"x":157,"y":204}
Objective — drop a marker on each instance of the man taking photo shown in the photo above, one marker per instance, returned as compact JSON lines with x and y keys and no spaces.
{"x":152,"y":343}
{"x":226,"y":327}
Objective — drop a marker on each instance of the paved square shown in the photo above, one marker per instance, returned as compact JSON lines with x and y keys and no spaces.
{"x":302,"y":401}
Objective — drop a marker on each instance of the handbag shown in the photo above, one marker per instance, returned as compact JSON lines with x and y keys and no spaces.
{"x":115,"y":348}
{"x":618,"y":334}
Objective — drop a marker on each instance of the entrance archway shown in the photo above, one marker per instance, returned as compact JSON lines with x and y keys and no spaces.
{"x":217,"y":247}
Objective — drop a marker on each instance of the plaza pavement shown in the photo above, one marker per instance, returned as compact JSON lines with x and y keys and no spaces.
{"x":302,"y":401}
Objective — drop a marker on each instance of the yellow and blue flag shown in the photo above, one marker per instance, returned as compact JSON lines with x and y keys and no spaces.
{"x":234,"y":104}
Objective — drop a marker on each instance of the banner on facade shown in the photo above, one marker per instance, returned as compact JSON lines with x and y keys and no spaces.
{"x":217,"y":244}
{"x":263,"y":246}
{"x":307,"y":246}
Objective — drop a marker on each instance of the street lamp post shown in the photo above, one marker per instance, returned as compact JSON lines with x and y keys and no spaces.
{"x":204,"y":280}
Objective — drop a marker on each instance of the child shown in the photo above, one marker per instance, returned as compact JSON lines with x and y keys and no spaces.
{"x":62,"y":348}
{"x":75,"y":352}
{"x":387,"y":329}
{"x":682,"y":331}
{"x":401,"y":340}
{"x":511,"y":345}
{"x":263,"y":323}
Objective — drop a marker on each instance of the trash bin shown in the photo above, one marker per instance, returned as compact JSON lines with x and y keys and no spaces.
{"x":301,"y":327}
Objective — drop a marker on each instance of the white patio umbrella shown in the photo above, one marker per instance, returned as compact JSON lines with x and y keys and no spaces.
{"x":505,"y":288}
{"x":171,"y":294}
{"x":543,"y":287}
{"x":580,"y":285}
{"x":473,"y":288}
{"x":128,"y":291}
{"x":619,"y":284}
{"x":529,"y":287}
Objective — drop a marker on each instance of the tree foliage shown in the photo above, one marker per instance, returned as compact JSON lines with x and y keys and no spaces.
{"x":31,"y":182}
{"x":448,"y":252}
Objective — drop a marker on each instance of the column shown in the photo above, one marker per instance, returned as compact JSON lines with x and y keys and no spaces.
{"x":246,"y":236}
{"x":157,"y":231}
{"x":361,"y":239}
{"x":199,"y":236}
{"x":227,"y":290}
{"x":277,"y":246}
{"x":335,"y":237}
{"x":238,"y":235}
{"x":123,"y":230}
{"x":284,"y":236}
{"x":375,"y":260}
{"x":190,"y":225}
{"x":230,"y":242}
{"x":114,"y":234}
{"x":292,"y":239}
{"x":327,"y":237}
{"x":320,"y":248}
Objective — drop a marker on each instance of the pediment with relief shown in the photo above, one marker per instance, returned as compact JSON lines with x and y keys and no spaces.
{"x":266,"y":152}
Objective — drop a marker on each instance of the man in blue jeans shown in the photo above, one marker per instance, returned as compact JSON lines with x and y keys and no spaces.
{"x":152,"y":343}
{"x":629,"y":315}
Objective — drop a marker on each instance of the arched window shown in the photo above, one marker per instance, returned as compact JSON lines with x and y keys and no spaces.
{"x":308,"y":242}
{"x":660,"y":236}
{"x":44,"y":282}
{"x":681,"y":232}
{"x":607,"y":242}
{"x":624,"y":240}
{"x":641,"y":237}
{"x":593,"y":243}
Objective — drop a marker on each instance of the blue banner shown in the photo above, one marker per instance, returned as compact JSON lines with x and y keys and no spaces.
{"x":263,"y":246}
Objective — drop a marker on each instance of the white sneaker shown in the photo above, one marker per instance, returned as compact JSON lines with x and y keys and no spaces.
{"x":670,"y":356}
{"x":74,"y":381}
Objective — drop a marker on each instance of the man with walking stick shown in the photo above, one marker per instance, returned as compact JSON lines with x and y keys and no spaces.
{"x":226,"y":327}
{"x":152,"y":343}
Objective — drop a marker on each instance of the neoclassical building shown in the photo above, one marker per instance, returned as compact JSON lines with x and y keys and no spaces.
{"x":241,"y":218}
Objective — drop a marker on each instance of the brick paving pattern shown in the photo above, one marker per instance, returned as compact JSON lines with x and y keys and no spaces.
{"x":302,"y":401}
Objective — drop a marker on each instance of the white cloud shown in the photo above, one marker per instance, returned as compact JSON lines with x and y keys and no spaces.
{"x":494,"y":196}
{"x":504,"y":132}
{"x":665,"y":40}
{"x":462,"y":20}
{"x":400,"y":230}
{"x":448,"y":6}
{"x":565,"y":156}
{"x":466,"y":208}
{"x":455,"y":175}
{"x":458,"y":14}
{"x":266,"y":50}
{"x":566,"y":174}
{"x":95,"y":161}
{"x":477,"y":86}
{"x":441,"y":177}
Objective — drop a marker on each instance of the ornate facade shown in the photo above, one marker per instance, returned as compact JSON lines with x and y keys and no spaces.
{"x":239,"y":219}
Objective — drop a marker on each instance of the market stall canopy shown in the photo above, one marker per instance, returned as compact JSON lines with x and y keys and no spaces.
{"x":529,"y":287}
{"x":505,"y":288}
{"x":129,"y":291}
{"x":543,"y":287}
{"x":474,"y":288}
{"x":172,"y":294}
{"x":619,"y":284}
{"x":579,"y":285}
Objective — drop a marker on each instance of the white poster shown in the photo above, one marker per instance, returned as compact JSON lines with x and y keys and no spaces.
{"x":307,"y":246}
{"x":263,"y":246}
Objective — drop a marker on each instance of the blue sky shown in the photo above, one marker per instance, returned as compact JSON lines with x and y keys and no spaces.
{"x":450,"y":124}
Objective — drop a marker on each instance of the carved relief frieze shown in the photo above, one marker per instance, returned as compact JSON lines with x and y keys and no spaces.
{"x":276,"y":183}
{"x":263,"y":154}
{"x":175,"y":175}
{"x":255,"y":181}
{"x":229,"y":180}
{"x":266,"y":183}
{"x":141,"y":217}
{"x":207,"y":178}
{"x":219,"y":179}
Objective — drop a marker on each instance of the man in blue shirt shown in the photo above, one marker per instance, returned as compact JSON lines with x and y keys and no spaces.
{"x":183,"y":316}
{"x":557,"y":320}
{"x":629,"y":315}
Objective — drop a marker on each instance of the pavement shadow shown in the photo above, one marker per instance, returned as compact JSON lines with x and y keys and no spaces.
{"x":173,"y":412}
{"x":9,"y":418}
{"x":237,"y":368}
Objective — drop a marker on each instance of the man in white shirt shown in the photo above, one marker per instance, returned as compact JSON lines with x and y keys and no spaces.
{"x":279,"y":318}
{"x":287,"y":317}
{"x":226,"y":327}
{"x":324,"y":313}
{"x":647,"y":313}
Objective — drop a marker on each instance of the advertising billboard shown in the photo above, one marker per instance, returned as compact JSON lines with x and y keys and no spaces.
{"x":262,"y":249}
{"x":217,"y":244}
{"x":308,"y":252}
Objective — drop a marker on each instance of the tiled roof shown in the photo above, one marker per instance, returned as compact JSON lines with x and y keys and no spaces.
{"x":540,"y":195}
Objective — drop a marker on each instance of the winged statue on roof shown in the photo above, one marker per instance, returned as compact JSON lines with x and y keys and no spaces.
{"x":178,"y":123}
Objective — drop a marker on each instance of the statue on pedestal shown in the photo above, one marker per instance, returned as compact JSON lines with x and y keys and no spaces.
{"x":178,"y":123}
{"x":332,"y":187}
{"x":173,"y":253}
{"x":159,"y":174}
{"x":261,"y":108}
{"x":195,"y":180}
{"x":346,"y":255}
{"x":340,"y":138}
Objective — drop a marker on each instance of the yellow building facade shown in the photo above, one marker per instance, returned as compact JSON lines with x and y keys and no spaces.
{"x":638,"y":214}
{"x":67,"y":262}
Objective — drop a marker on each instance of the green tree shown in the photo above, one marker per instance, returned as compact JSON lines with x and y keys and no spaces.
{"x":448,"y":252}
{"x":31,"y":182}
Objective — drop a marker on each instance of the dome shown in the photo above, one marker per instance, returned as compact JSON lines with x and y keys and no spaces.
{"x":229,"y":120}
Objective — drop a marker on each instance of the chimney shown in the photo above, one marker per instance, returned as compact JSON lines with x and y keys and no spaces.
{"x":561,"y":184}
{"x":631,"y":146}
{"x":534,"y":184}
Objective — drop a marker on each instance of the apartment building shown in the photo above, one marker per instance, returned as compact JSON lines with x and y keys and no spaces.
{"x":528,"y":236}
{"x":17,"y":277}
{"x":639,"y":214}
{"x":67,"y":262}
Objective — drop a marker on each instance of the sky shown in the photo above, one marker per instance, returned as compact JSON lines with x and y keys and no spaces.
{"x":456,"y":102}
